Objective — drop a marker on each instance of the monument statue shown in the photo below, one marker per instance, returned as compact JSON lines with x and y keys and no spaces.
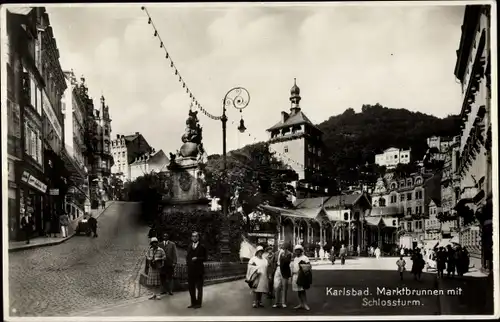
{"x":185,"y":182}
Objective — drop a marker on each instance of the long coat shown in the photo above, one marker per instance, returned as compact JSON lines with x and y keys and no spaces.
{"x":196,"y":269}
{"x":261,"y":266}
{"x":170,"y":257}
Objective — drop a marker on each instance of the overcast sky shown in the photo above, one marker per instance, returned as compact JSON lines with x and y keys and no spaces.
{"x":342,"y":56}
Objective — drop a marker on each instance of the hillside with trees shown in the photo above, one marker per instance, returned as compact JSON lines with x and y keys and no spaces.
{"x":352,"y":139}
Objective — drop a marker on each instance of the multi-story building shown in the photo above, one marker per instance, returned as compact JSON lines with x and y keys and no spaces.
{"x":432,"y":224}
{"x":35,"y":83}
{"x":450,"y":190}
{"x":391,"y":157}
{"x":103,"y":161}
{"x":299,"y":145}
{"x":408,"y":199}
{"x":152,"y":161}
{"x":125,"y":149}
{"x":473,"y":70}
{"x":75,"y":109}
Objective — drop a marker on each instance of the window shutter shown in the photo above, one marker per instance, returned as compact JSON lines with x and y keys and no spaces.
{"x":33,"y":93}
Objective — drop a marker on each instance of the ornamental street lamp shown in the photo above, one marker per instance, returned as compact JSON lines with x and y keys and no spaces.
{"x":238,"y":98}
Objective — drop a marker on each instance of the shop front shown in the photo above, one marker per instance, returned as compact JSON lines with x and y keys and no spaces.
{"x":12,"y":206}
{"x":57,"y":189}
{"x":32,"y":195}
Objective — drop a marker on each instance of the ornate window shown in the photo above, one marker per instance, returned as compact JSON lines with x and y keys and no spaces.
{"x":381,"y":202}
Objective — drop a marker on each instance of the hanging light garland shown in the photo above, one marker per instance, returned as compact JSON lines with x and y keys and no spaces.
{"x":195,"y":103}
{"x":168,"y":57}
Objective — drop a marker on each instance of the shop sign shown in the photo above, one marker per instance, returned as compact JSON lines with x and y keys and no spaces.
{"x":54,"y":192}
{"x":11,"y":170}
{"x":260,"y":234}
{"x":34,"y":182}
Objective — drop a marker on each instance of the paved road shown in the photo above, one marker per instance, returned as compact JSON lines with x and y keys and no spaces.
{"x":82,"y":273}
{"x":235,"y":299}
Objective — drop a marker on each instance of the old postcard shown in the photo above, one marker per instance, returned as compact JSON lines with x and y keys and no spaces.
{"x":250,"y":161}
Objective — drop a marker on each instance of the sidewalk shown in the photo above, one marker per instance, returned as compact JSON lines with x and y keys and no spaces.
{"x":49,"y":241}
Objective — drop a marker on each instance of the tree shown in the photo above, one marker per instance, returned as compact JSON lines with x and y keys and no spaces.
{"x":254,"y":176}
{"x":149,"y":190}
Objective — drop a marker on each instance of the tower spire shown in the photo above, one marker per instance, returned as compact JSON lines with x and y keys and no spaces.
{"x":295,"y":97}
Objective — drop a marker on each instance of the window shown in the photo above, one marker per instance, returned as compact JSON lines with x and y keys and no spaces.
{"x":418,"y":194}
{"x":286,"y":149}
{"x":409,"y":196}
{"x":394,"y":223}
{"x":394,"y":198}
{"x":381,"y":202}
{"x":409,"y":226}
{"x":346,"y":216}
{"x":33,"y":93}
{"x":33,"y":143}
{"x":402,"y":197}
{"x":408,"y":211}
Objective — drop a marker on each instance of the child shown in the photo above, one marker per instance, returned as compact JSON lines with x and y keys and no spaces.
{"x":401,"y":266}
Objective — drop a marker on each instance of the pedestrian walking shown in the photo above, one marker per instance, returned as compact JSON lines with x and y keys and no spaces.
{"x":401,"y":263}
{"x":93,"y":224}
{"x":332,"y":255}
{"x":321,"y":253}
{"x":282,"y":274}
{"x":155,"y":258}
{"x":103,"y":204}
{"x":440,"y":262}
{"x":27,"y":226}
{"x":418,"y":264}
{"x":342,"y":254}
{"x":358,"y":250}
{"x":402,"y":251}
{"x":377,"y":252}
{"x":450,"y":262}
{"x":301,"y":276}
{"x":168,"y":269}
{"x":64,"y":222}
{"x":47,"y":216}
{"x":259,"y":263}
{"x":371,"y":251}
{"x":196,"y":256}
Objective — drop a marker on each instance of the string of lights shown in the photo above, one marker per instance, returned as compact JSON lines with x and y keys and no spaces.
{"x":195,"y":103}
{"x":168,"y":57}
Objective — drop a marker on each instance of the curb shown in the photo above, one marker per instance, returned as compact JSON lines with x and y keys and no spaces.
{"x":25,"y":247}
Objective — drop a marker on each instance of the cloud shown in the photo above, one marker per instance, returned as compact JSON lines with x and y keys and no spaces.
{"x":342,"y":56}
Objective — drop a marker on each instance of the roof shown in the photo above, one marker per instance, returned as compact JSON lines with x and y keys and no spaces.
{"x":310,"y":202}
{"x":380,"y":222}
{"x":294,"y":119}
{"x":346,"y":200}
{"x":131,"y":137}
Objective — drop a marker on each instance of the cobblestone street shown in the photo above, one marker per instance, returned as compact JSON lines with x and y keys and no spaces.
{"x":83,"y":272}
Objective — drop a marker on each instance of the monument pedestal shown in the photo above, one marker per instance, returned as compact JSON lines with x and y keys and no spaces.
{"x":186,"y":184}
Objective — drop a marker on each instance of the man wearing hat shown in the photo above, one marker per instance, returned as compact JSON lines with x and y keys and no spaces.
{"x":155,"y":258}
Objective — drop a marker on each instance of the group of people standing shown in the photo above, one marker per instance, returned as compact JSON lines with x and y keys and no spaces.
{"x":161,"y":260}
{"x":53,"y":224}
{"x":271,"y":273}
{"x":453,"y":260}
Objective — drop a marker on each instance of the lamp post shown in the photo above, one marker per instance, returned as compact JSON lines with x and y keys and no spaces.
{"x":238,"y":98}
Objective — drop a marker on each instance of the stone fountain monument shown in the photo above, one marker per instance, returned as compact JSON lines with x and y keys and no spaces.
{"x":185,"y":181}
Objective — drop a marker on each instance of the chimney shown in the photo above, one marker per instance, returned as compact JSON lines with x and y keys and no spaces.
{"x":136,"y":133}
{"x":118,"y":136}
{"x":284,"y":116}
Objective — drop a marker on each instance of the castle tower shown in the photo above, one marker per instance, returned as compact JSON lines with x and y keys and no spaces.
{"x":298,"y":143}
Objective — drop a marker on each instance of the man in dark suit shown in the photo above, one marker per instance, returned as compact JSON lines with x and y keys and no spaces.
{"x":93,"y":225}
{"x":195,"y":257}
{"x":168,"y":268}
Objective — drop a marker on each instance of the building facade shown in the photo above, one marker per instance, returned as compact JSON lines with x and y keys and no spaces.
{"x":35,"y":83}
{"x":391,"y":157}
{"x":153,"y":161}
{"x":299,"y":145}
{"x":473,"y":70}
{"x":75,"y":110}
{"x":125,"y":149}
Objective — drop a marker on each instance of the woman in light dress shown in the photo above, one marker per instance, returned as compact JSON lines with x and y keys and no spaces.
{"x":299,"y":257}
{"x":260,"y":263}
{"x":377,"y":252}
